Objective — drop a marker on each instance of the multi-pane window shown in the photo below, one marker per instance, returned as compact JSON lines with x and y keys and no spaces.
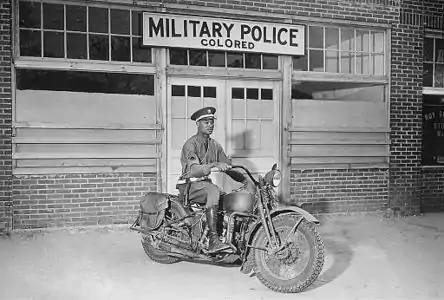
{"x":343,"y":50}
{"x":433,"y":62}
{"x":204,"y":58}
{"x":433,"y":130}
{"x":80,"y":32}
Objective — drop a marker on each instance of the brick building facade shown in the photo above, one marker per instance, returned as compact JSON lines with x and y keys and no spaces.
{"x":380,"y":167}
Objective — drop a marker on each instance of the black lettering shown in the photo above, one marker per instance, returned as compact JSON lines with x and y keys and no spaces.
{"x":265,"y":36}
{"x":293,"y":36}
{"x":156,"y":28}
{"x":212,"y":42}
{"x":219,"y":43}
{"x":204,"y":42}
{"x":173,"y":28}
{"x":245,"y":29}
{"x":194,"y":23}
{"x":256,"y":33}
{"x":216,"y":29}
{"x":229,"y":43}
{"x":236,"y":44}
{"x":280,"y":36}
{"x":244,"y":44}
{"x":204,"y":30}
{"x":228,"y":28}
{"x":250,"y":45}
{"x":274,"y":35}
{"x":185,"y":28}
{"x":167,"y":27}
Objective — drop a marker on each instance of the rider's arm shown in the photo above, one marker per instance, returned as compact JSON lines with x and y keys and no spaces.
{"x":193,"y":166}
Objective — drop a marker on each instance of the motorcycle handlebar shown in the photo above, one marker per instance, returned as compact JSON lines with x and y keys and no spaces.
{"x":214,"y":169}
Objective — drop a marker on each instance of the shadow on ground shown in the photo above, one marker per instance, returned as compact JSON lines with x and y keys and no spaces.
{"x":338,"y":258}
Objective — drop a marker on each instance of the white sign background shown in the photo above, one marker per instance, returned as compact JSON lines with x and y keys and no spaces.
{"x":168,"y":30}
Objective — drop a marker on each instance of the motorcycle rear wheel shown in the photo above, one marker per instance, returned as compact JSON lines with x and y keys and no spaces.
{"x":174,"y":212}
{"x":268,"y":268}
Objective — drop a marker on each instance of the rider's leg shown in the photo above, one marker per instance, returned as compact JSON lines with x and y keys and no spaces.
{"x":212,"y":193}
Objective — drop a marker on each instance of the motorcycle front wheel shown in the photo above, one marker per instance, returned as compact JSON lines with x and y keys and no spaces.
{"x":298,"y":264}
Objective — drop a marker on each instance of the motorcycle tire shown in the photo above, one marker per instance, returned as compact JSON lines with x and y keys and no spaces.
{"x":175,"y":211}
{"x":311,"y":270}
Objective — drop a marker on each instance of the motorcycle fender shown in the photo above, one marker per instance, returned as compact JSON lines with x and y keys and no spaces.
{"x":281,"y":210}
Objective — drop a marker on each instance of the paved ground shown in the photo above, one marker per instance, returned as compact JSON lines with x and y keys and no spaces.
{"x":368,"y":257}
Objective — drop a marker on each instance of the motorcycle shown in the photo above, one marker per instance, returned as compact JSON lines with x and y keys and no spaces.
{"x":278,"y":243}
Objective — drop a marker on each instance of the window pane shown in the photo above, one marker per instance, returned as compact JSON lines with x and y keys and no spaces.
{"x":136,"y":22}
{"x":316,"y":37}
{"x":439,"y":76}
{"x":332,"y":61}
{"x":378,"y":42}
{"x":252,"y":61}
{"x":178,"y":57}
{"x":347,"y":62}
{"x":193,"y":91}
{"x":237,"y":93}
{"x":76,"y":18}
{"x":53,"y":44}
{"x":300,"y":63}
{"x":378,"y":64}
{"x":428,"y":49}
{"x":332,"y":38}
{"x":428,"y":75}
{"x":439,"y":51}
{"x":266,"y":94}
{"x":29,"y":14}
{"x":98,"y":19}
{"x":87,"y":82}
{"x":316,"y":60}
{"x":198,"y":57}
{"x":178,"y":90}
{"x":98,"y":47}
{"x":53,"y":16}
{"x":120,"y":48}
{"x":140,"y":54}
{"x":76,"y":45}
{"x":270,"y":62}
{"x":210,"y":92}
{"x":347,"y":39}
{"x":30,"y":43}
{"x":362,"y":39}
{"x":235,"y":60}
{"x":216,"y":59}
{"x":362,"y":63}
{"x":253,"y":94}
{"x":120,"y":21}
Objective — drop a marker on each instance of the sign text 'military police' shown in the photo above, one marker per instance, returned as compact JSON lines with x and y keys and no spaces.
{"x":195,"y":32}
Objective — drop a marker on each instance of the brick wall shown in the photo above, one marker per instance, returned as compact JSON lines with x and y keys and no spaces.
{"x":78,"y":199}
{"x":5,"y":117}
{"x":320,"y":191}
{"x":406,"y":107}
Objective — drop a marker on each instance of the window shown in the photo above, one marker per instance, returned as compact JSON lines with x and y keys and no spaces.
{"x":343,"y":50}
{"x":204,"y":58}
{"x":433,"y":130}
{"x":433,"y":62}
{"x":80,"y":32}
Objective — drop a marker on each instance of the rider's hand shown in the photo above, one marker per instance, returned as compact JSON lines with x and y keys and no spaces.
{"x":222,"y":167}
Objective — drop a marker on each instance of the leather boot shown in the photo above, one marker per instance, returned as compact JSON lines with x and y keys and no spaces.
{"x":215,"y":244}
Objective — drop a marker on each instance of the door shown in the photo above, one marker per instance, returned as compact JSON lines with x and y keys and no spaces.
{"x":185,"y":96}
{"x":253,"y":109}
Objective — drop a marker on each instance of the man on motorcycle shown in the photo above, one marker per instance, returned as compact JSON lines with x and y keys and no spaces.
{"x":199,"y":154}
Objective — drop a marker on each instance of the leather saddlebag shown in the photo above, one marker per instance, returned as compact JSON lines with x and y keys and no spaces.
{"x":152,"y":210}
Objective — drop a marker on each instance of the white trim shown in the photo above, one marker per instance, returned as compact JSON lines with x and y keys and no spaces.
{"x":432,"y":91}
{"x":205,"y":116}
{"x":46,"y":64}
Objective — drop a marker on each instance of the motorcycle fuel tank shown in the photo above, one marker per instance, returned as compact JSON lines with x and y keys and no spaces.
{"x":240,"y":201}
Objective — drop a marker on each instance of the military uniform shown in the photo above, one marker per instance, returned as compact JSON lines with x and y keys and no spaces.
{"x":198,"y":153}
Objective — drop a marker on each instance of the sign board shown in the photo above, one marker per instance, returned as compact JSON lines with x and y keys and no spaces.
{"x":433,"y":130}
{"x":167,"y":30}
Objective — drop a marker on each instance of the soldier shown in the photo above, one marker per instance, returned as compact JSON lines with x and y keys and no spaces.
{"x":200,"y":153}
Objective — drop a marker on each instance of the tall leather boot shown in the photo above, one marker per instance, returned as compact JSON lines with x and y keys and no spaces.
{"x":215,"y":244}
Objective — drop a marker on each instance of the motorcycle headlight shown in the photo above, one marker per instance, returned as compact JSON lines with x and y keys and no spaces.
{"x":273,"y":178}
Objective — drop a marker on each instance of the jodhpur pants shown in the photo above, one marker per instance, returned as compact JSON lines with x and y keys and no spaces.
{"x":204,"y":191}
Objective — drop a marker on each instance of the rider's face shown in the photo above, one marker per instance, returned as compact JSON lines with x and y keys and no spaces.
{"x":206,"y":126}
